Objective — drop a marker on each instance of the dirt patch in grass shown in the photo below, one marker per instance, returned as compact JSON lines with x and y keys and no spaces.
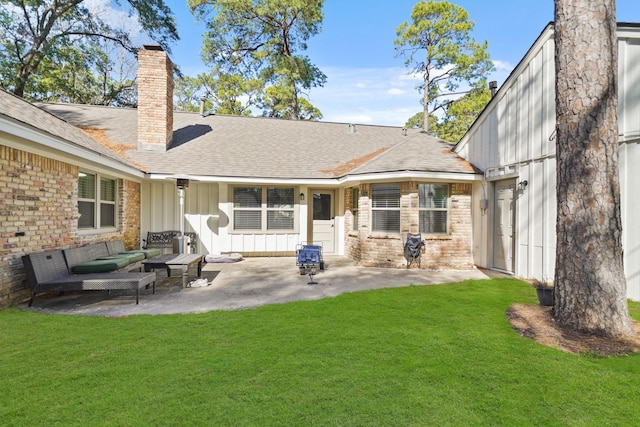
{"x":535,"y":322}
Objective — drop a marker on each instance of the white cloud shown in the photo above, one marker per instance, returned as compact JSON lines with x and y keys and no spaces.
{"x":503,"y":70}
{"x":361,"y":118}
{"x":381,"y":96}
{"x":396,"y":92}
{"x":502,"y":65}
{"x":114,"y":17}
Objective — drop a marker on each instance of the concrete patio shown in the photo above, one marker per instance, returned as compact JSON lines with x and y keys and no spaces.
{"x":249,"y":283}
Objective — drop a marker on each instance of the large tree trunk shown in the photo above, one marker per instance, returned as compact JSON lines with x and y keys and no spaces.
{"x":590,"y":286}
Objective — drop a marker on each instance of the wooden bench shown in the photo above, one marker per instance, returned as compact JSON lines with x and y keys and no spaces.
{"x":164,"y":240}
{"x":49,"y":271}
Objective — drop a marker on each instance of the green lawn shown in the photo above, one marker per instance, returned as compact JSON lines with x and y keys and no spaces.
{"x":420,"y":355}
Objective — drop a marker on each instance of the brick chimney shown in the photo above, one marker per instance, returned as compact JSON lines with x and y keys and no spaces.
{"x":155,"y":99}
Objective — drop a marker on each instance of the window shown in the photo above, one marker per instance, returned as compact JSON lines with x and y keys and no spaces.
{"x":97,"y":197}
{"x":280,"y":208}
{"x":385,"y":208}
{"x":263,"y":208}
{"x":434,"y":210}
{"x":355,"y":200}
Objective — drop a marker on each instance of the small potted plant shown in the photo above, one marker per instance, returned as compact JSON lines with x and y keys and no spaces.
{"x":544,"y":289}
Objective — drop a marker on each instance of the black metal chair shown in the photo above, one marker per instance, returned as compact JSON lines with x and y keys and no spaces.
{"x":413,"y":245}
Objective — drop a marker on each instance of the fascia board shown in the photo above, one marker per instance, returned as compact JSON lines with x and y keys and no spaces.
{"x":52,"y":147}
{"x":400,"y":175}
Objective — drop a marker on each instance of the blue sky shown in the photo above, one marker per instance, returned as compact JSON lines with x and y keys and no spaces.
{"x":366,"y":83}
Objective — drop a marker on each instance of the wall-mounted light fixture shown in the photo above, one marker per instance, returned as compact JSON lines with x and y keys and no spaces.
{"x":182,"y":183}
{"x":301,"y":197}
{"x":523,"y":184}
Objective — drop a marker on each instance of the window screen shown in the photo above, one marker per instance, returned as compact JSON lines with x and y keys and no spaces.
{"x":385,"y":204}
{"x":434,"y":208}
{"x":97,"y":199}
{"x":355,"y":200}
{"x":275,"y":212}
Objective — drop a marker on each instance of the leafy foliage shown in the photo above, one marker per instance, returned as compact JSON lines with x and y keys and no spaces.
{"x":260,"y":40}
{"x":37,"y":37}
{"x":437,"y":44}
{"x":461,"y":113}
{"x":223,"y":93}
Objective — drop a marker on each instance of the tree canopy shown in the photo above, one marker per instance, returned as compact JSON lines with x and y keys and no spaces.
{"x":262,"y":39}
{"x":39,"y":36}
{"x":222,"y":93}
{"x":459,"y":115}
{"x":437,"y":44}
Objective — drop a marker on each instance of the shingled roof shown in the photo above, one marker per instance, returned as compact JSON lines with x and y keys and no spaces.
{"x":26,"y":114}
{"x":253,"y":147}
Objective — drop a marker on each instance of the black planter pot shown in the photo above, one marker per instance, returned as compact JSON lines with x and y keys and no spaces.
{"x":545,"y":296}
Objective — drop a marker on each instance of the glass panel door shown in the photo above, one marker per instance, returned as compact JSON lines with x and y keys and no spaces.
{"x":324,"y":220}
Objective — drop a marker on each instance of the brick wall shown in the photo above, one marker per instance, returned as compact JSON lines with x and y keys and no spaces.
{"x":38,"y":212}
{"x":155,"y":99}
{"x":130,"y":213}
{"x":451,"y":251}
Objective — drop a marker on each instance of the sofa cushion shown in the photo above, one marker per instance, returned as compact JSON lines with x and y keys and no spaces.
{"x":132,"y":256}
{"x":101,"y":265}
{"x":148,"y":253}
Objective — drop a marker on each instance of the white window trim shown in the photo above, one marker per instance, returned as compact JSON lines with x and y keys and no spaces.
{"x":264,"y":209}
{"x":355,"y":208}
{"x":447,"y":209}
{"x":97,"y":204}
{"x":393,"y":209}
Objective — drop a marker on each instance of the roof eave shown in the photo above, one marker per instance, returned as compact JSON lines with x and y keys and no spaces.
{"x":52,"y":144}
{"x":330,"y":182}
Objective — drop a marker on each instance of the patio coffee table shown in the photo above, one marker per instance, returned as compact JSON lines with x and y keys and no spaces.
{"x":175,"y":262}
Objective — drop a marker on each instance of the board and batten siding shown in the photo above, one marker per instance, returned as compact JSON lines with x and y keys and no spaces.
{"x":629,"y":130}
{"x":256,"y":243}
{"x":514,"y":138}
{"x":160,"y":211}
{"x":207,"y":211}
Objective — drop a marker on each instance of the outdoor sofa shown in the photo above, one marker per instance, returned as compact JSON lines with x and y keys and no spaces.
{"x":98,"y":266}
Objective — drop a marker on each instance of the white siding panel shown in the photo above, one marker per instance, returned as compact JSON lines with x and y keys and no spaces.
{"x":502,"y":115}
{"x":161,"y":211}
{"x":518,"y":128}
{"x":536,"y":143}
{"x":236,"y":243}
{"x":550,"y":215}
{"x":160,"y":208}
{"x":523,"y":215}
{"x":249,"y":242}
{"x":523,"y":146}
{"x":549,"y":98}
{"x":263,"y":243}
{"x":202,"y":216}
{"x":512,"y":126}
{"x":629,"y":84}
{"x":538,"y":219}
{"x":630,"y":176}
{"x":536,"y":188}
{"x":259,"y":243}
